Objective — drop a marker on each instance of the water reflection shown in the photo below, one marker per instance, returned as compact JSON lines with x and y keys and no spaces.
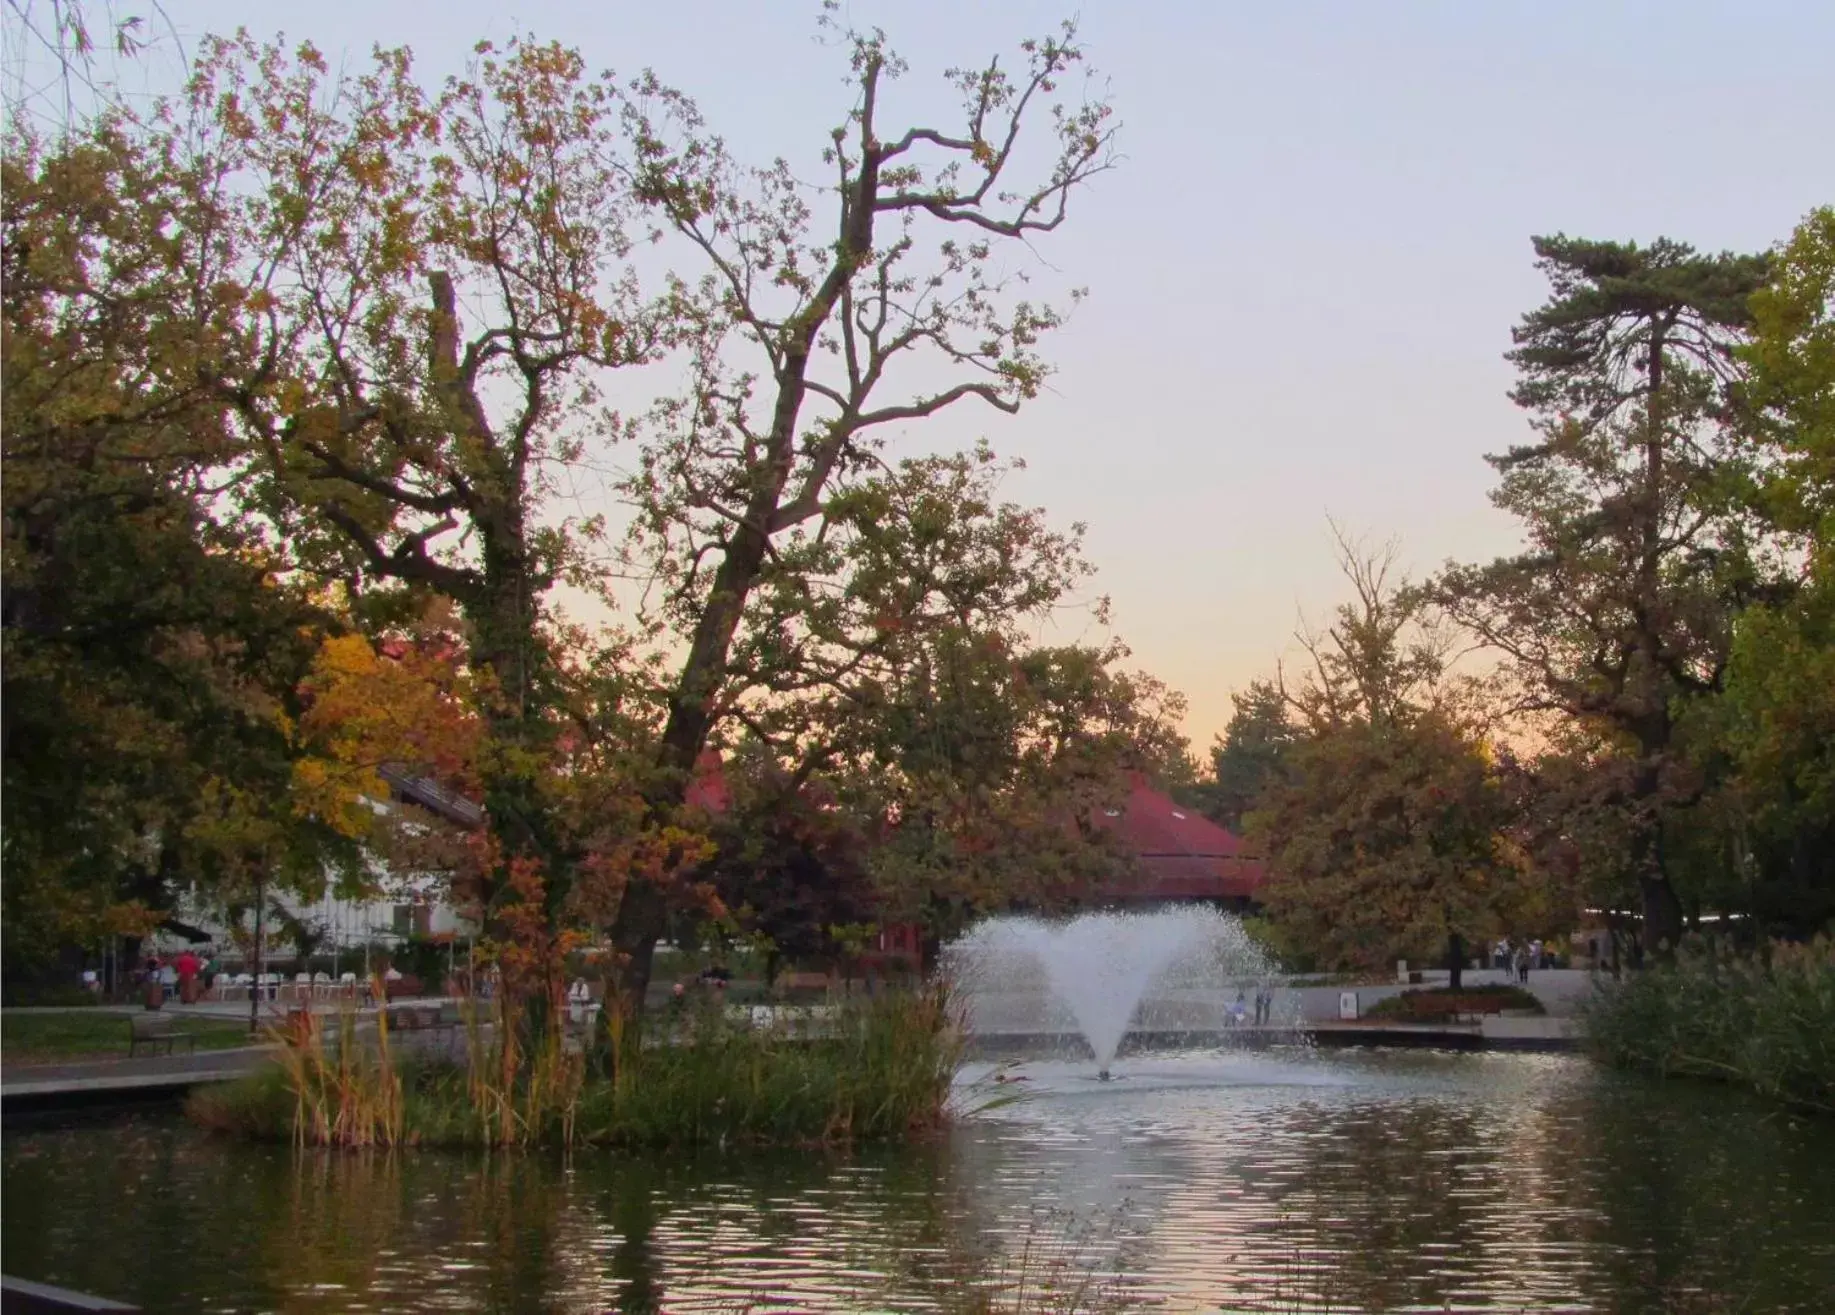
{"x":1375,"y":1182}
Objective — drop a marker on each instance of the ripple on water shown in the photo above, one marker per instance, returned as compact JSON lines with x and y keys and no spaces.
{"x":1376,"y":1181}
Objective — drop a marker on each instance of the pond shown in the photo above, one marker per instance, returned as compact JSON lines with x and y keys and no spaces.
{"x":1376,"y":1180}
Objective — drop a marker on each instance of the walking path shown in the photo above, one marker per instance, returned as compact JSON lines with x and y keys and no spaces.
{"x":100,"y":1077}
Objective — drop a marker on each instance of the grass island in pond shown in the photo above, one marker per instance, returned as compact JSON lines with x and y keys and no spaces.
{"x":864,"y":1070}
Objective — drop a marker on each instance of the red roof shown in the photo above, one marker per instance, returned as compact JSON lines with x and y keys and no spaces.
{"x":1182,"y":854}
{"x":708,"y":789}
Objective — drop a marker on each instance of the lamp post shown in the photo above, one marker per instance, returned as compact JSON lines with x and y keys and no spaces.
{"x":254,"y":993}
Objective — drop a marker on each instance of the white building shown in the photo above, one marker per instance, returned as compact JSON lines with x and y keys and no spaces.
{"x":400,"y":907}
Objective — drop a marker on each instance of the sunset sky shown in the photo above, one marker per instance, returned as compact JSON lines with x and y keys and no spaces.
{"x":1304,"y":275}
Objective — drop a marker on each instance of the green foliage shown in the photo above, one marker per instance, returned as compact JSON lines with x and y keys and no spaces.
{"x":153,"y":640}
{"x":1384,"y":832}
{"x":1281,"y":943}
{"x":983,"y":766}
{"x":1790,"y":384}
{"x":422,"y":958}
{"x":1766,"y":1021}
{"x":1386,"y":841}
{"x":1772,"y":738}
{"x":875,"y":1071}
{"x":790,"y":870}
{"x":1249,"y":758}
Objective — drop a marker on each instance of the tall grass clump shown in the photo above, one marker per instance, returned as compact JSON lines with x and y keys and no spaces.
{"x":869,"y":1070}
{"x":345,"y":1092}
{"x":1766,"y":1020}
{"x":861,"y":1070}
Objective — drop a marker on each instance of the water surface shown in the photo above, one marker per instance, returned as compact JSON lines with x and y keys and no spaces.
{"x":1299,"y":1182}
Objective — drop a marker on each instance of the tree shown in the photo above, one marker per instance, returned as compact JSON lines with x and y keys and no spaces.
{"x":991,"y":768}
{"x":1248,"y":757}
{"x":1384,"y":830}
{"x":752,"y":466}
{"x":409,"y":303}
{"x":1638,"y":554}
{"x":154,"y":640}
{"x":790,"y":866}
{"x":1776,"y":726}
{"x":1386,"y":655}
{"x":1386,"y":842}
{"x":1790,"y":382}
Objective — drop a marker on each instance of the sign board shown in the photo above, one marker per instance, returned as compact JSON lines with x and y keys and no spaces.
{"x":1347,"y":1005}
{"x":1401,"y":971}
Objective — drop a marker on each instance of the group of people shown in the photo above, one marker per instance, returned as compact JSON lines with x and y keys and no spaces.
{"x":184,"y":974}
{"x":1518,"y":958}
{"x":1263,"y":1006}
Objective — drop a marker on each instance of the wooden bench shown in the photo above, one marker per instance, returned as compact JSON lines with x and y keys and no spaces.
{"x":154,"y":1031}
{"x":805,"y":982}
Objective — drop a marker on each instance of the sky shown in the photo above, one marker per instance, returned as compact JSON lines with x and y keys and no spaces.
{"x":1303,"y":277}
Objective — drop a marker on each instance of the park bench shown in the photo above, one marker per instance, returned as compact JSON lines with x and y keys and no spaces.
{"x":154,"y":1031}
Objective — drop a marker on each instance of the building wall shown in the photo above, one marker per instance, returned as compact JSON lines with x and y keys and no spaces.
{"x":410,"y":906}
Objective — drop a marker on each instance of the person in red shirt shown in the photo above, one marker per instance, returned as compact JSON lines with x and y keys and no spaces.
{"x":187,"y":966}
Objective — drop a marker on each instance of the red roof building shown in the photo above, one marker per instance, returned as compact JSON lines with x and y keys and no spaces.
{"x":707,"y":788}
{"x":1180,"y":854}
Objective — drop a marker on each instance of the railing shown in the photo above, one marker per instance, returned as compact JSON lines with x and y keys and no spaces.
{"x":20,"y":1297}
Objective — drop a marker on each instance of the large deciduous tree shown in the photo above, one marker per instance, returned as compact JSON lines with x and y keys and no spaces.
{"x":409,"y":303}
{"x":1388,"y":841}
{"x":824,"y":318}
{"x":154,"y":640}
{"x":428,"y":290}
{"x":1777,"y":723}
{"x":1639,"y":549}
{"x":1384,"y":830}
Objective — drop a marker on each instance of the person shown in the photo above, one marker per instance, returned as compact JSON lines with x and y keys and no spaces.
{"x":186,"y":970}
{"x":1237,"y":1011}
{"x":211,"y":969}
{"x":1535,"y":953}
{"x":91,"y":982}
{"x":678,"y":996}
{"x":153,"y":991}
{"x":1522,"y":965}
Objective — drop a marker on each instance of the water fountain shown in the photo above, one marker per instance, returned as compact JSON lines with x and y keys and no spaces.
{"x":1171,"y":970}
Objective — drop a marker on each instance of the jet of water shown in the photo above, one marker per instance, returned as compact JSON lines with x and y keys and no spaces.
{"x":1101,"y":966}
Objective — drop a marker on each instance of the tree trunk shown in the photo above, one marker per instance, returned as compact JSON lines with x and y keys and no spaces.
{"x":1455,"y":960}
{"x":1662,"y":916}
{"x":643,"y":911}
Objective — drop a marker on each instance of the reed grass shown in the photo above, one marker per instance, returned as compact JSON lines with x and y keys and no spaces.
{"x":870,"y":1070}
{"x":1766,"y":1021}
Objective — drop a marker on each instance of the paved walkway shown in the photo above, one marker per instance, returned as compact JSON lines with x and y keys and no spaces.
{"x":99,"y":1076}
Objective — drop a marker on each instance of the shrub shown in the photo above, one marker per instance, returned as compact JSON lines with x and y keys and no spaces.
{"x":1440,"y":1002}
{"x":1766,"y":1021}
